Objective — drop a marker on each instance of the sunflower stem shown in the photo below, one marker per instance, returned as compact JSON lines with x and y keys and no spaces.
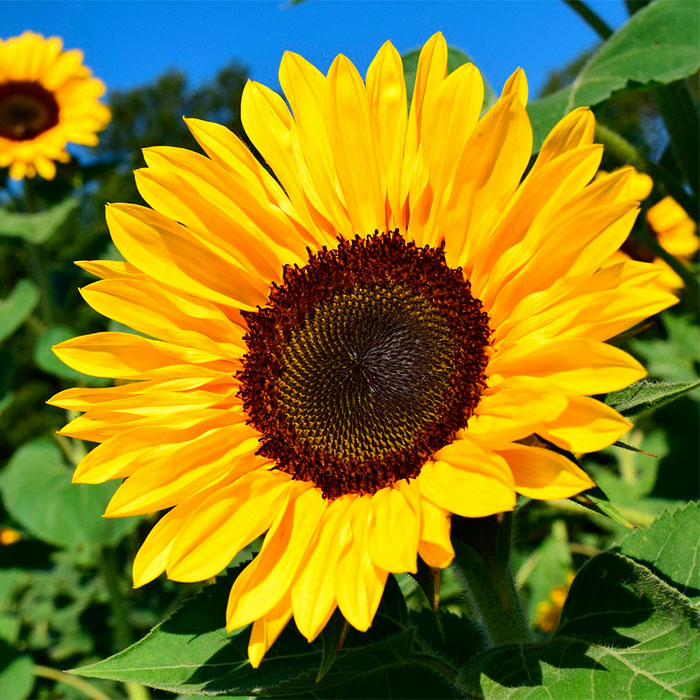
{"x":591,"y":18}
{"x":482,"y":549}
{"x":37,"y":261}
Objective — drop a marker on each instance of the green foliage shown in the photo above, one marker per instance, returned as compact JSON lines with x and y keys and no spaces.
{"x":671,"y":547}
{"x":628,"y":627}
{"x":624,"y":633}
{"x":647,"y":395}
{"x":37,"y":491}
{"x":36,"y":227}
{"x":657,"y":46}
{"x":16,"y":308}
{"x":191,"y":652}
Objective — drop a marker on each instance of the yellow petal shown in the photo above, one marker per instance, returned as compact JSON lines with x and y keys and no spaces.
{"x":177,"y":257}
{"x":150,"y":560}
{"x":359,"y":582}
{"x":220,"y":453}
{"x":576,"y":129}
{"x":126,"y":356}
{"x":514,"y":409}
{"x":435,"y":546}
{"x":468,"y":481}
{"x":270,"y":575}
{"x":576,"y":365}
{"x":266,"y":630}
{"x":350,"y":134}
{"x":544,"y":474}
{"x":586,"y":425}
{"x":386,"y":91}
{"x":226,"y":522}
{"x":313,"y":593}
{"x":393,"y":534}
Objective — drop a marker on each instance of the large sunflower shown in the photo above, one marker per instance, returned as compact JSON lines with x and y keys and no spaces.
{"x":47,"y":100}
{"x":346,"y":355}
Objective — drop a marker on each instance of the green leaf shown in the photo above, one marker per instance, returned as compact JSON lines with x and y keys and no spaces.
{"x":17,"y":307}
{"x":36,"y":227}
{"x":37,"y":491}
{"x":16,"y":676}
{"x":671,"y":547}
{"x":191,"y":652}
{"x":455,"y":58}
{"x":658,"y":45}
{"x":48,"y":362}
{"x":624,"y":634}
{"x":597,"y":500}
{"x":645,"y":396}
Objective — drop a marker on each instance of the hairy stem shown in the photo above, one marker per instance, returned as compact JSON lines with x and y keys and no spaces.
{"x":482,"y":548}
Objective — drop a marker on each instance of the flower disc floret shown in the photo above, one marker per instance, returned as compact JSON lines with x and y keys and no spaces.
{"x":366,"y":361}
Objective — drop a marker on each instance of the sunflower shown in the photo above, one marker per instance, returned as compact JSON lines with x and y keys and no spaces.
{"x":47,"y":100}
{"x":675,"y":231}
{"x":346,"y":354}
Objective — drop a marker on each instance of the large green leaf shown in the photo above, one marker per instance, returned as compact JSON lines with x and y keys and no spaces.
{"x":36,"y":227}
{"x":37,"y":491}
{"x":16,"y":308}
{"x":671,"y":547}
{"x":455,"y":58}
{"x":624,"y":633}
{"x":659,"y":44}
{"x":647,"y":396}
{"x":191,"y":653}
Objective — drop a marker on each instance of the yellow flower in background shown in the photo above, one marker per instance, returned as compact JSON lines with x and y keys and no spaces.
{"x":345,"y":355}
{"x":48,"y":99}
{"x":675,"y":231}
{"x":8,"y":536}
{"x":549,"y":611}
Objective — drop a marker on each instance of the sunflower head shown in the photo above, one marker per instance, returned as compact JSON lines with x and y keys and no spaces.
{"x":47,"y":100}
{"x":399,"y":327}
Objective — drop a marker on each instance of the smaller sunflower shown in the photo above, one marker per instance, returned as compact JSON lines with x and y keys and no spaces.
{"x":48,"y":99}
{"x":549,"y":611}
{"x":675,"y":231}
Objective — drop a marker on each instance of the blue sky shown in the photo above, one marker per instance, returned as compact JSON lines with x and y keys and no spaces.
{"x":129,"y":43}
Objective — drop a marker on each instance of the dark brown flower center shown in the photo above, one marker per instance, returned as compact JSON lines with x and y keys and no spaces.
{"x":364,"y":362}
{"x":27,"y":109}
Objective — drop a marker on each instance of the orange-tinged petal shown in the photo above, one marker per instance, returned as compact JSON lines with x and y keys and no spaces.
{"x":270,"y":575}
{"x":435,"y":546}
{"x":544,"y":474}
{"x":226,"y":522}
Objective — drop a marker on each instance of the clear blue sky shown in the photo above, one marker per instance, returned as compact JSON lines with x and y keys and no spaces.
{"x":129,"y":43}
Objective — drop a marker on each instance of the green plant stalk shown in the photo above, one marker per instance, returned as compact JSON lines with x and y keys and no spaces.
{"x":123,"y":635}
{"x":78,"y":684}
{"x":482,"y":555}
{"x":592,"y":19}
{"x":680,"y":114}
{"x":37,"y":262}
